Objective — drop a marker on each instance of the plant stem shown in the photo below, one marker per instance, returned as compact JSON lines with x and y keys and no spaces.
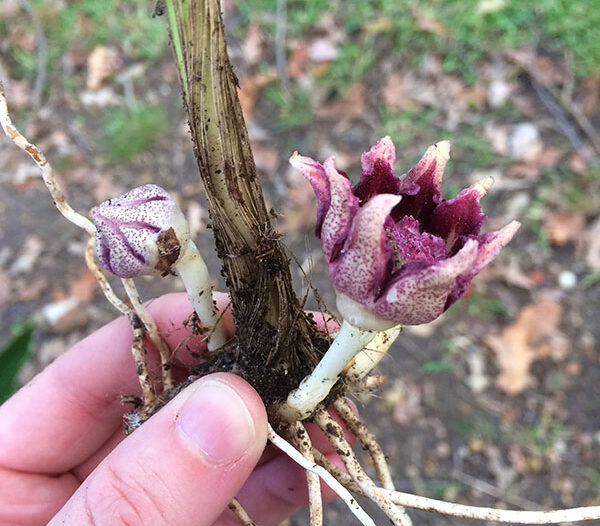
{"x":195,"y":276}
{"x":267,"y":313}
{"x":373,"y":353}
{"x":177,"y":47}
{"x":315,"y":387}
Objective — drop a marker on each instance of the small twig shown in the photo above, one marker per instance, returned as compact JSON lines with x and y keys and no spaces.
{"x":241,"y":513}
{"x":280,"y":55}
{"x":335,"y":434}
{"x":367,"y":438}
{"x":47,"y":173}
{"x":150,"y":325}
{"x":42,"y":53}
{"x":315,"y":500}
{"x":548,"y":96}
{"x":327,"y":477}
{"x":340,"y":475}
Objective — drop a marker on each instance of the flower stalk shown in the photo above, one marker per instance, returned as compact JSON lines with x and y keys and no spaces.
{"x":349,"y":341}
{"x":143,"y":232}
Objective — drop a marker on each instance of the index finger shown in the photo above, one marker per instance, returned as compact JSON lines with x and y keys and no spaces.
{"x":72,"y":407}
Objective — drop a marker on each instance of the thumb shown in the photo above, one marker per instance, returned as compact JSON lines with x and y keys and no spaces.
{"x":183,"y":466}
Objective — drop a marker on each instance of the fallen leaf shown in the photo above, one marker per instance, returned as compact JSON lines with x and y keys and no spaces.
{"x":322,"y":50}
{"x":32,"y":250}
{"x":253,"y":44}
{"x":298,"y":61}
{"x":84,"y":287}
{"x":102,"y":63}
{"x":591,"y":93}
{"x":266,"y":158}
{"x":533,"y":335}
{"x":428,"y":23}
{"x":378,"y":26}
{"x":395,"y":93}
{"x":352,"y":105}
{"x":563,"y":227}
{"x":591,"y":242}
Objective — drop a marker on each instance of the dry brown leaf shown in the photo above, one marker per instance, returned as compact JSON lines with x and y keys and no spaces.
{"x":378,"y":26}
{"x":253,"y":44}
{"x":592,"y":245}
{"x":591,"y":93}
{"x":298,"y":61}
{"x":563,"y":227}
{"x":102,"y":63}
{"x":83,"y":287}
{"x":533,"y":335}
{"x":427,"y":23}
{"x":353,"y":104}
{"x":395,"y":94}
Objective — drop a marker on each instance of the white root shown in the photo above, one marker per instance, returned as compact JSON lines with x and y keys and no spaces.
{"x":195,"y":276}
{"x":47,"y":173}
{"x":140,"y":309}
{"x":335,"y":434}
{"x":316,"y":386}
{"x":360,"y":431}
{"x":315,"y":499}
{"x":408,"y":500}
{"x":327,"y":477}
{"x":242,"y":515}
{"x":84,"y":223}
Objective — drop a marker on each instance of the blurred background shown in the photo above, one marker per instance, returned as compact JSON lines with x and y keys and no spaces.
{"x":495,"y":404}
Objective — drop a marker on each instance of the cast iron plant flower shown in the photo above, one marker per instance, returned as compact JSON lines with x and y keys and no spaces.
{"x":144,"y":232}
{"x":399,"y":254}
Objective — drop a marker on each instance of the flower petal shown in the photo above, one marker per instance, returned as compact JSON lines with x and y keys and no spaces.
{"x":316,"y":176}
{"x":409,"y":244}
{"x":360,"y":269}
{"x":420,"y":187}
{"x":458,"y":217}
{"x":342,"y":209}
{"x":420,"y":296}
{"x":128,"y":229}
{"x":490,"y":245}
{"x":378,"y":171}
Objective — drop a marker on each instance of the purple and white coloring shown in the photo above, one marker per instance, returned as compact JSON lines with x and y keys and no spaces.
{"x":397,"y":253}
{"x":140,"y":232}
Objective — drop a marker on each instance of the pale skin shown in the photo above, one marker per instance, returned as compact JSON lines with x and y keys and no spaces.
{"x":65,"y":460}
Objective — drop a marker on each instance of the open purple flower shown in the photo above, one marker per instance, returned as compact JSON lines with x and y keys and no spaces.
{"x":397,"y":252}
{"x":140,"y":232}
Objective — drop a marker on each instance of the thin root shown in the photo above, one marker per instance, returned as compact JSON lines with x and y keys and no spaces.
{"x":47,"y":172}
{"x":241,"y":513}
{"x":327,"y":477}
{"x":367,"y":438}
{"x":152,"y":329}
{"x":315,"y":499}
{"x":141,"y":365}
{"x":335,"y":434}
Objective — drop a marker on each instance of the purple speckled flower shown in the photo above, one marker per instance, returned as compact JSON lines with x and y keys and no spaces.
{"x":141,"y":232}
{"x":397,"y":252}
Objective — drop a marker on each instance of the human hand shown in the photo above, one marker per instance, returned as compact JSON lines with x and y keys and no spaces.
{"x":64,"y":458}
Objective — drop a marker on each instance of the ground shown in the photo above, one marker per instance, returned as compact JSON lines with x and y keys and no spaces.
{"x":495,"y":404}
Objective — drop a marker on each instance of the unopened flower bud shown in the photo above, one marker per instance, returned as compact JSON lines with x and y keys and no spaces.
{"x":141,"y":232}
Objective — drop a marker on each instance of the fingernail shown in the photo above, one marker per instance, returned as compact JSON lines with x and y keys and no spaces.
{"x":216,"y":420}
